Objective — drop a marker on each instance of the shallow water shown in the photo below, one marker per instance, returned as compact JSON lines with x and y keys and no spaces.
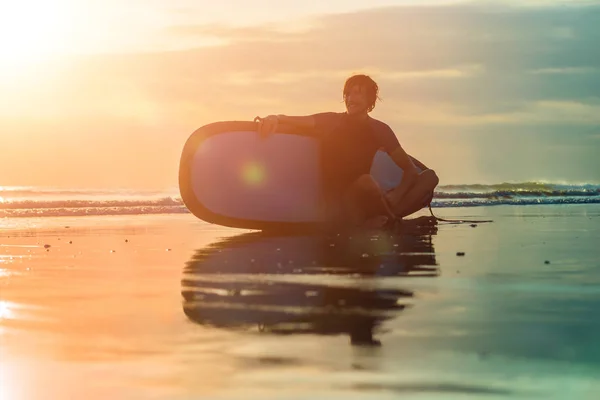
{"x":170,"y":307}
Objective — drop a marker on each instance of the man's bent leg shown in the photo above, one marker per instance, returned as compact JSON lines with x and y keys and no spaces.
{"x":417,"y":197}
{"x":364,"y":203}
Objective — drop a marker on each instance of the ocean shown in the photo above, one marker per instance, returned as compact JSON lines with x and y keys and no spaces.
{"x":42,"y":202}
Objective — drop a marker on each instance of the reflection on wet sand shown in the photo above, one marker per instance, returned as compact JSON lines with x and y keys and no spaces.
{"x":295,"y":284}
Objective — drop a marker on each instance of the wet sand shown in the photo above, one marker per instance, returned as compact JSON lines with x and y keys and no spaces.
{"x":166,"y":306}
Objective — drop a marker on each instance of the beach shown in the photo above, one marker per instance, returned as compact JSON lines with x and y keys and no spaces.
{"x":159,"y":158}
{"x":167,"y":306}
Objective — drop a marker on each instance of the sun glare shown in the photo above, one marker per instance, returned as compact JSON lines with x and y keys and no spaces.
{"x":31,"y":30}
{"x":5,"y":310}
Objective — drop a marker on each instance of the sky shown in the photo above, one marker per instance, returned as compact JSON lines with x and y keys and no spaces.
{"x":104,"y":94}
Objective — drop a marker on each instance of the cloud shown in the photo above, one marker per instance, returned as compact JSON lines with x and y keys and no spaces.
{"x":460,"y":64}
{"x":565,"y":71}
{"x":539,"y":113}
{"x":271,"y":32}
{"x":506,"y":44}
{"x":547,"y":3}
{"x":255,"y":77}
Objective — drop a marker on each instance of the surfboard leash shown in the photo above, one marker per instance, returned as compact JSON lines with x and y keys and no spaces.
{"x":457,"y":221}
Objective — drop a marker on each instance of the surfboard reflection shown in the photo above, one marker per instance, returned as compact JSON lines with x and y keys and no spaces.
{"x":308,"y":283}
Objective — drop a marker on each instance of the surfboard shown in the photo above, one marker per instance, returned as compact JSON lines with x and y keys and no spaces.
{"x":230,"y":176}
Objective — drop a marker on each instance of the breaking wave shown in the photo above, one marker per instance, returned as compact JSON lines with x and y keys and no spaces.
{"x":40,"y":202}
{"x":34,"y":202}
{"x":527,"y":193}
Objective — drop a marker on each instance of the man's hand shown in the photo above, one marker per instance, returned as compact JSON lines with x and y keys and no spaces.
{"x":268,"y":125}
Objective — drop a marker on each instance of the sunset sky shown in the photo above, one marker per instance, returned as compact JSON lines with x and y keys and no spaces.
{"x":103,"y":94}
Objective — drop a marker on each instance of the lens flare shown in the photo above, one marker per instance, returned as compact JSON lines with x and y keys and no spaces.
{"x":253,"y":174}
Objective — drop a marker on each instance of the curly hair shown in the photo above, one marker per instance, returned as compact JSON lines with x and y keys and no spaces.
{"x":365,"y":83}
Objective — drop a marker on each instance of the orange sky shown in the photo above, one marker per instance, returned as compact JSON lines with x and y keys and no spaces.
{"x":104,"y":94}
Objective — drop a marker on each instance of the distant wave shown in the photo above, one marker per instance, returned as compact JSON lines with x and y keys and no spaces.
{"x":25,"y":192}
{"x":59,"y":208}
{"x":100,"y":203}
{"x":527,"y":193}
{"x":43,"y":202}
{"x":513,"y":202}
{"x":525,"y":188}
{"x":40,"y":202}
{"x":89,"y":211}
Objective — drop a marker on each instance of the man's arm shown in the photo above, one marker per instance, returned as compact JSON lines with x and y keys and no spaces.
{"x":314,"y":124}
{"x":404,"y":161}
{"x":389,"y":142}
{"x":269,"y":124}
{"x":410,"y":174}
{"x":305,"y":121}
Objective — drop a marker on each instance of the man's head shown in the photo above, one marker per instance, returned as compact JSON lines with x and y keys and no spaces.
{"x":360,"y":94}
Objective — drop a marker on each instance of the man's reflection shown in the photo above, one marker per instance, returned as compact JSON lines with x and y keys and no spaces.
{"x":307,"y":283}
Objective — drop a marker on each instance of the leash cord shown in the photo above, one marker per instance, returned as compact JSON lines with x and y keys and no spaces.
{"x":457,"y":221}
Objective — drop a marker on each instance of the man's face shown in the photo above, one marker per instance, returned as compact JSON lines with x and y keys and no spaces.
{"x":356,"y":100}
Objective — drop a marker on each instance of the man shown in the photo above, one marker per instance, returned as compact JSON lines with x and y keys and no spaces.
{"x":349,"y":142}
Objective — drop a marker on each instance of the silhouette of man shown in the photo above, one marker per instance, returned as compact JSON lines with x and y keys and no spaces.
{"x":349,"y":141}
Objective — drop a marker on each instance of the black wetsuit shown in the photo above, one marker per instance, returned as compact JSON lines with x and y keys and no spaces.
{"x":348,"y":147}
